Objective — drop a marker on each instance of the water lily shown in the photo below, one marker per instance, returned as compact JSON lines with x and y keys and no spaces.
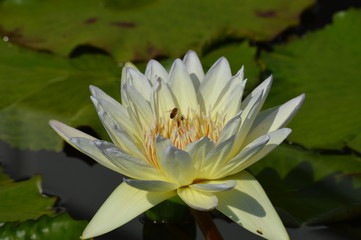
{"x":189,"y":134}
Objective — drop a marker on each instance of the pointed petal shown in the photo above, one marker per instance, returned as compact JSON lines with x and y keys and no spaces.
{"x":162,"y":100}
{"x":69,"y":133}
{"x":154,"y":71}
{"x":231,"y":128}
{"x":276,"y":138}
{"x":121,"y":138}
{"x":214,"y":185}
{"x":119,"y":113}
{"x":194,"y":68}
{"x":124,"y":204}
{"x":198,"y":200}
{"x":177,"y":165}
{"x":124,"y":80}
{"x":152,"y":185}
{"x":242,"y":159}
{"x":214,"y":82}
{"x":126,"y":66}
{"x":247,"y":117}
{"x":248,"y":205}
{"x":230,"y":103}
{"x":229,"y":100}
{"x":182,"y":87}
{"x":275,"y":118}
{"x":161,"y":144}
{"x":264,"y":87}
{"x":198,"y":151}
{"x":88,"y":147}
{"x":100,"y":94}
{"x":137,"y":80}
{"x":129,"y":165}
{"x":139,"y":106}
{"x":216,"y":158}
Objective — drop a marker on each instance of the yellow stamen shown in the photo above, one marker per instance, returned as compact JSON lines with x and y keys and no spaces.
{"x":182,"y":130}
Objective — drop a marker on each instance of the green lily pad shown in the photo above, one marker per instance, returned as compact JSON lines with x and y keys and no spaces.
{"x":326,"y":66}
{"x":37,"y":87}
{"x":54,"y":228}
{"x":143,"y":29}
{"x":310,"y":187}
{"x":23,"y":200}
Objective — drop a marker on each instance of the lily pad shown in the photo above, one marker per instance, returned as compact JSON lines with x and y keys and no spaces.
{"x":141,"y":30}
{"x":310,"y":187}
{"x":23,"y":200}
{"x":326,"y":66}
{"x":54,"y":228}
{"x":37,"y":87}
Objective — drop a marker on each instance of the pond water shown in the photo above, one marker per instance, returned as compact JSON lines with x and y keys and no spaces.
{"x":82,"y":187}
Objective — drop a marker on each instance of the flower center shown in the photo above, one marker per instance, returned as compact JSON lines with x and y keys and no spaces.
{"x":181,"y":130}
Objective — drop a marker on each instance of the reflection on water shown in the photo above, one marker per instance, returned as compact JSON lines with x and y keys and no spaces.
{"x":83,"y":188}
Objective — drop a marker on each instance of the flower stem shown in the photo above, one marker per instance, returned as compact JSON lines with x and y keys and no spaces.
{"x":206,"y":224}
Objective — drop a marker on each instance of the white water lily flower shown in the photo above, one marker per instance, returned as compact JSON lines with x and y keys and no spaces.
{"x":189,"y":134}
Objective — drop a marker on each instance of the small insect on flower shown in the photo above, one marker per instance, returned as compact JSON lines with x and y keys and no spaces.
{"x":173,"y":113}
{"x":176,"y":115}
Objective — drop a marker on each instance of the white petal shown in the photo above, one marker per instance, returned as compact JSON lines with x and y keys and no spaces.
{"x":119,"y":113}
{"x":275,"y":118}
{"x":68,"y":133}
{"x":163,"y":99}
{"x":247,"y":117}
{"x":214,"y":185}
{"x":242,"y":159}
{"x":248,"y":205}
{"x":198,"y":151}
{"x":214,"y":82}
{"x":216,"y":158}
{"x":152,"y":185}
{"x":124,"y":204}
{"x":230,"y":129}
{"x":124,"y":80}
{"x":177,"y":165}
{"x":198,"y":200}
{"x":161,"y":144}
{"x":154,"y":71}
{"x":139,"y":82}
{"x":139,"y":106}
{"x":264,"y":87}
{"x":121,"y":138}
{"x":276,"y":138}
{"x":194,"y":68}
{"x":129,"y":165}
{"x":229,"y":100}
{"x":182,"y":87}
{"x":126,"y":66}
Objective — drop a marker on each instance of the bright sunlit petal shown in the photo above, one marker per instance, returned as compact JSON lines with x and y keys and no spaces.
{"x":194,"y":68}
{"x":214,"y":185}
{"x":124,"y":204}
{"x":175,"y":163}
{"x":198,"y":200}
{"x":248,"y":205}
